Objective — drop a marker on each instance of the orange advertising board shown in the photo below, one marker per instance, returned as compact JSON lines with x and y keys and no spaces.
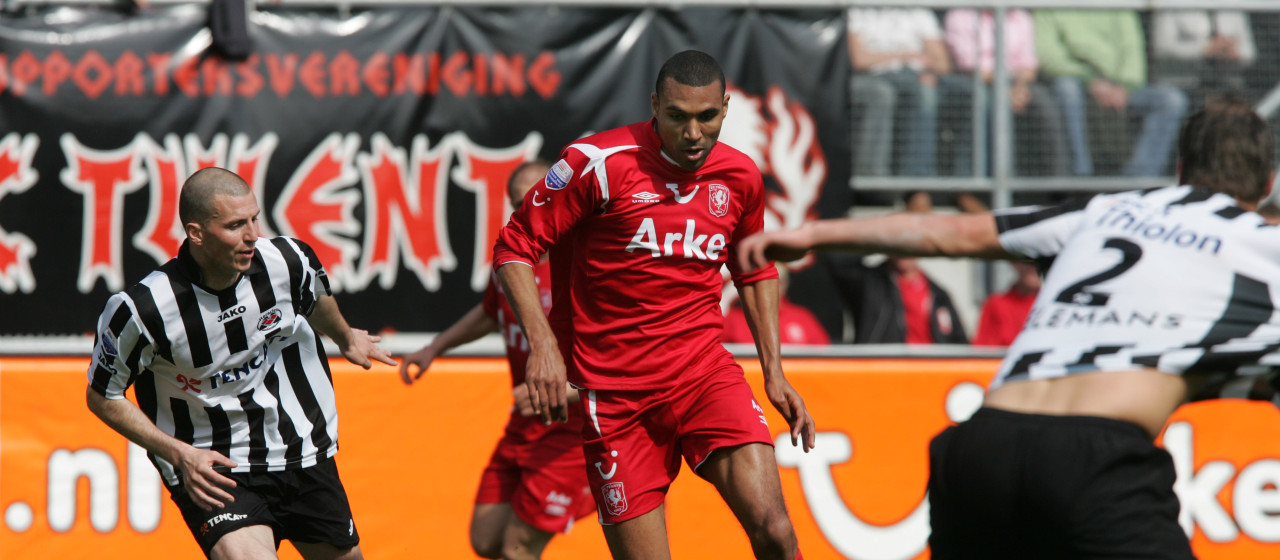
{"x":411,"y":457}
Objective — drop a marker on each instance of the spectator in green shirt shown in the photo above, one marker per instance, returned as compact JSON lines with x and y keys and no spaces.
{"x":1103,"y":53}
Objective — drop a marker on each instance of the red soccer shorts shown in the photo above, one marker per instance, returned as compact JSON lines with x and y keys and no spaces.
{"x":634,"y":440}
{"x":542,"y":476}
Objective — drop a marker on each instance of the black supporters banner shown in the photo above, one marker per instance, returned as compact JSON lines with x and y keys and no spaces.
{"x":382,"y":137}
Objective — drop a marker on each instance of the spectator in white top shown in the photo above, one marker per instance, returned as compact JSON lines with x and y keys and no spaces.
{"x":901,"y":67}
{"x":1201,"y":51}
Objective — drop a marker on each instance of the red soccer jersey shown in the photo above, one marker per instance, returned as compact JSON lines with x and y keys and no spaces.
{"x":1002,"y":318}
{"x":496,"y":306}
{"x":638,"y":246}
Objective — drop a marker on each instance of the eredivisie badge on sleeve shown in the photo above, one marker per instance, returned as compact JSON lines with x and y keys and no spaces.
{"x":718,"y":199}
{"x":558,"y":176}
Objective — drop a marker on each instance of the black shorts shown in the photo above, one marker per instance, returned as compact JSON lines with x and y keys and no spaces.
{"x":1010,"y":485}
{"x":301,"y":505}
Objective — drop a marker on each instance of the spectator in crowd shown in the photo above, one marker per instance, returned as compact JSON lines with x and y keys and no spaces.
{"x":894,"y":302}
{"x":1003,"y":314}
{"x":902,"y":72}
{"x":970,"y":35}
{"x":796,"y":324}
{"x":1201,"y":51}
{"x":1103,"y":53}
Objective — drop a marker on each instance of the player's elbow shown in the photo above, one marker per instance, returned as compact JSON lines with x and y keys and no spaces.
{"x":95,"y":401}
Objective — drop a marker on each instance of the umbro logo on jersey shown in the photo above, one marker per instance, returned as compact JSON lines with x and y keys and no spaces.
{"x":645,"y":197}
{"x":270,"y":319}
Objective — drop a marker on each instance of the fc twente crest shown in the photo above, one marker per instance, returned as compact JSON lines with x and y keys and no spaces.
{"x":718,"y":199}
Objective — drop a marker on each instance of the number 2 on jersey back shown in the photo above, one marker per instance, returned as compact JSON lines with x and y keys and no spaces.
{"x":1075,"y":294}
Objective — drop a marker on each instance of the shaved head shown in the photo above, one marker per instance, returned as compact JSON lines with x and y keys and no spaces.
{"x":196,"y":203}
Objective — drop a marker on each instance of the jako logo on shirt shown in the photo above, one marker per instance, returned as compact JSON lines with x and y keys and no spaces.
{"x":204,"y":529}
{"x":615,"y":498}
{"x":718,"y":199}
{"x":559,"y":175}
{"x":231,"y":313}
{"x":270,"y":319}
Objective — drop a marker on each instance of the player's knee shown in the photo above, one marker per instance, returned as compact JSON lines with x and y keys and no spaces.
{"x":515,"y":550}
{"x":486,"y":547}
{"x":525,"y":544}
{"x":773,"y":537}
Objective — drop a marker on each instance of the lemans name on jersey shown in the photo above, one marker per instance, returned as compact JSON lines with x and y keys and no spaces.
{"x":1178,"y":279}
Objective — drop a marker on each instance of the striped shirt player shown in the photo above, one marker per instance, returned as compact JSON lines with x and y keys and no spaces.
{"x":1146,"y":293}
{"x":238,"y":371}
{"x":1177,"y":279}
{"x":235,"y":403}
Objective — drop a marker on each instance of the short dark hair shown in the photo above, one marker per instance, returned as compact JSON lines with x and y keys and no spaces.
{"x":1226,"y":147}
{"x":511,"y":180}
{"x":195,"y":202}
{"x":690,"y":68}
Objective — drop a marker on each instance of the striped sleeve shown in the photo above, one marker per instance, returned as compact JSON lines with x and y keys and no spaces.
{"x":1036,"y":231}
{"x":120,"y":349}
{"x":307,"y":278}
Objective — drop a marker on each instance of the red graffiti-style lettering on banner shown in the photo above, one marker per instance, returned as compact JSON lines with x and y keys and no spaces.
{"x":102,"y":178}
{"x":250,"y":163}
{"x":162,"y":233}
{"x":320,"y":75}
{"x":405,"y":215}
{"x":167,"y":168}
{"x":200,"y":157}
{"x":316,"y":207}
{"x":404,"y":196}
{"x":484,"y":171}
{"x":16,"y":176}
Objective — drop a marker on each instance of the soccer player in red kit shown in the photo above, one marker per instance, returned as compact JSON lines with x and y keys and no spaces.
{"x":535,"y":484}
{"x":638,"y":221}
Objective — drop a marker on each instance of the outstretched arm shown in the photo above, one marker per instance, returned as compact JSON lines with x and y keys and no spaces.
{"x":545,"y":371}
{"x":203,"y":484}
{"x":908,"y":233}
{"x":475,"y":324}
{"x":760,"y":305}
{"x":358,"y":346}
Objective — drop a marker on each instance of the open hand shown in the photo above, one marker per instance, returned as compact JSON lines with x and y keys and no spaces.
{"x":789,"y":404}
{"x":364,"y":348}
{"x":203,"y":484}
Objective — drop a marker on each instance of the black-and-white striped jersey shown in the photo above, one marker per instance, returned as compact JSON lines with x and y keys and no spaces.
{"x":238,"y":371}
{"x":1178,"y":279}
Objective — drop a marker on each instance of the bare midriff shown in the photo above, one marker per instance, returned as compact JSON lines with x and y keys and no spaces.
{"x":1145,"y":397}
